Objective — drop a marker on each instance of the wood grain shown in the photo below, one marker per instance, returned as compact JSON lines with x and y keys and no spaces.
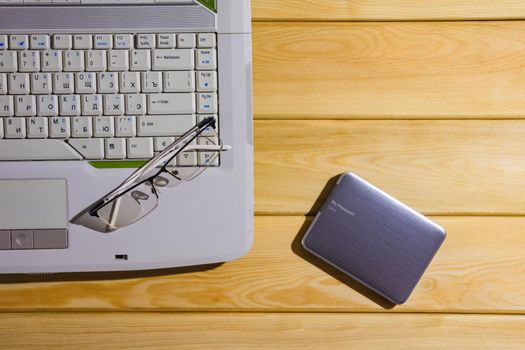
{"x":389,"y":70}
{"x":479,"y":269}
{"x":437,"y":167}
{"x":385,"y":10}
{"x":260,"y":331}
{"x":324,"y":76}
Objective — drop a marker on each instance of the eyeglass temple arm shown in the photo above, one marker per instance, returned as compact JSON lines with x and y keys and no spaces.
{"x":160,"y":159}
{"x":180,"y":145}
{"x":172,"y":150}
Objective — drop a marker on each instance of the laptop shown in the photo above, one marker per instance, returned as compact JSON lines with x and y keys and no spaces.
{"x":92,"y":89}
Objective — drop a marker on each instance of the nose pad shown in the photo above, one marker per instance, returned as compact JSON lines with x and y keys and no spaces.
{"x":161,"y":181}
{"x":139,"y":196}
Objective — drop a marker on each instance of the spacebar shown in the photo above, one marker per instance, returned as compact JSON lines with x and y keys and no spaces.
{"x":37,"y":150}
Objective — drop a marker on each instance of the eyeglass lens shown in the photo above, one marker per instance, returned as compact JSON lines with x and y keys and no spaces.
{"x":143,"y":199}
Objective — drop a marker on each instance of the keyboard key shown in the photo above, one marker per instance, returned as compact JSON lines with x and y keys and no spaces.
{"x":29,"y":61}
{"x":115,"y":148}
{"x":118,"y":60}
{"x":51,"y":61}
{"x":129,"y":82}
{"x":180,"y":81}
{"x":206,"y":60}
{"x":207,"y":159}
{"x":92,"y":105}
{"x":123,"y":41}
{"x":3,"y":42}
{"x":66,"y":2}
{"x":207,"y":103}
{"x":63,"y":83}
{"x":207,"y":141}
{"x":103,"y":41}
{"x":140,"y":60}
{"x":107,"y":83}
{"x":89,"y":148}
{"x":207,"y":81}
{"x":18,"y":42}
{"x":183,"y":103}
{"x":37,"y":2}
{"x":186,"y":41}
{"x":15,"y":128}
{"x":113,"y":104}
{"x":166,"y":41}
{"x":126,"y":126}
{"x":7,"y":107}
{"x":104,"y":127}
{"x":140,"y":148}
{"x":81,"y":127}
{"x":206,"y":40}
{"x":25,"y":106}
{"x":85,"y":83}
{"x":164,"y":125}
{"x":73,"y":61}
{"x":187,"y":159}
{"x":3,"y":84}
{"x":37,"y":128}
{"x":82,"y":42}
{"x":47,"y":106}
{"x":161,"y":143}
{"x":31,"y":149}
{"x":62,"y":42}
{"x":96,"y":60}
{"x":173,"y":59}
{"x":8,"y":61}
{"x":59,"y":128}
{"x":209,"y":131}
{"x":41,"y":83}
{"x":70,"y":105}
{"x":136,"y":104}
{"x":39,"y":42}
{"x":152,"y":82}
{"x":146,"y":41}
{"x":19,"y":83}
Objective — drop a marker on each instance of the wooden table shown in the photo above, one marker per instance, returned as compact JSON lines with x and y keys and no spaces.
{"x":425,"y":99}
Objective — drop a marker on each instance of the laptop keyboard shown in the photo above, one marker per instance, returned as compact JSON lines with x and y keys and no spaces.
{"x":104,"y":96}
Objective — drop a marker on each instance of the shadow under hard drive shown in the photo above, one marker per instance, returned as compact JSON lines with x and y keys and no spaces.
{"x":298,"y":249}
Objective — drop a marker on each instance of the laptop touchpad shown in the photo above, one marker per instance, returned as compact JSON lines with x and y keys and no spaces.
{"x":33,"y":204}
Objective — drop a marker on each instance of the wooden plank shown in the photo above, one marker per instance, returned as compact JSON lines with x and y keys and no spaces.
{"x":480,"y":269}
{"x":260,"y":331}
{"x":437,"y":167}
{"x":385,"y":10}
{"x":389,"y":70}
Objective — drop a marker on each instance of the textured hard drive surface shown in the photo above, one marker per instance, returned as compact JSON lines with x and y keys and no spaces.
{"x":374,"y":238}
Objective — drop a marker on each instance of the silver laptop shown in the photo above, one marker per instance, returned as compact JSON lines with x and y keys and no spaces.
{"x":92,"y":89}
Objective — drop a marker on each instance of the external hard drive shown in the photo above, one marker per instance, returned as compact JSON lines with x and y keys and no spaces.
{"x":373,"y":238}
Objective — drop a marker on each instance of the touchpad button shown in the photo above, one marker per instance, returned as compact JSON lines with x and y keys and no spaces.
{"x":33,"y":204}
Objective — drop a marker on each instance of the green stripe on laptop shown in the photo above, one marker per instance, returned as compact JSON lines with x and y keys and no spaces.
{"x":118,"y":164}
{"x":211,"y":4}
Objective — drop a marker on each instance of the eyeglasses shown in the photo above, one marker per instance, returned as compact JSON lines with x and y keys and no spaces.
{"x":138,"y":195}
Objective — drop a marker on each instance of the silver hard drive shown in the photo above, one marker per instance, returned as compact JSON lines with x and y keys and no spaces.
{"x":374,"y":238}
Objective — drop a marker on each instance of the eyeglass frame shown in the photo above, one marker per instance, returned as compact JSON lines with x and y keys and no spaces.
{"x":162,"y":159}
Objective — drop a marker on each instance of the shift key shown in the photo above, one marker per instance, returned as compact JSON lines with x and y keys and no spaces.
{"x":183,"y":103}
{"x":166,"y":125}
